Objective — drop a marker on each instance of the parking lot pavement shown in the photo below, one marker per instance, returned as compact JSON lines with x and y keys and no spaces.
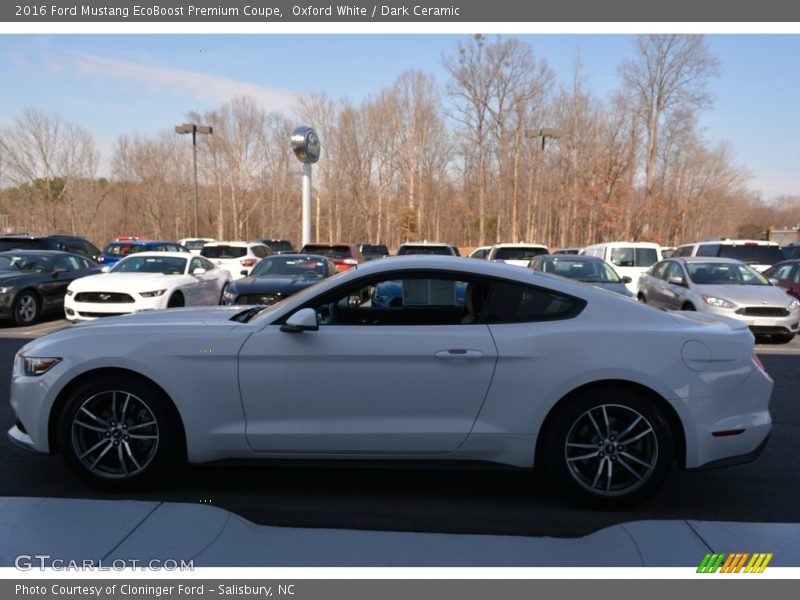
{"x":45,"y":326}
{"x":212,"y":537}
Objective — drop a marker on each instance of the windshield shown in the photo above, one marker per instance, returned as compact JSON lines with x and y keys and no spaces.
{"x":752,"y":254}
{"x":595,"y":271}
{"x":195,"y":244}
{"x":123,"y":249}
{"x":724,"y":274}
{"x":223,"y":251}
{"x":374,"y":249}
{"x":433,"y":250}
{"x":305,"y":267}
{"x":167,"y":265}
{"x":330,"y":251}
{"x":519,"y":253}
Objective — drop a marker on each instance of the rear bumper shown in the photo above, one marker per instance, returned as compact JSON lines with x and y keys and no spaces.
{"x":732,"y":461}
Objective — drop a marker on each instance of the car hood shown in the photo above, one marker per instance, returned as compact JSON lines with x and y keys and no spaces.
{"x":747,"y":295}
{"x":123,"y":282}
{"x":11,"y":276}
{"x":189,"y":315}
{"x":268,"y":285}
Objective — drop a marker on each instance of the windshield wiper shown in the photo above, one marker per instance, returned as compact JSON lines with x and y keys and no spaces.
{"x":246,"y":315}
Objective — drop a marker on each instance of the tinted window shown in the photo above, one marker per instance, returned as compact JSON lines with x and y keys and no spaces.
{"x":514,"y":303}
{"x":518,"y":253}
{"x":19,"y":243}
{"x":781,"y":272}
{"x":683,"y":251}
{"x":708,"y":250}
{"x":634,"y":257}
{"x":724,"y":274}
{"x":330,"y":251}
{"x":261,"y":251}
{"x":223,"y":251}
{"x":151,"y":264}
{"x":432,"y":250}
{"x":790,"y":252}
{"x":753,"y":254}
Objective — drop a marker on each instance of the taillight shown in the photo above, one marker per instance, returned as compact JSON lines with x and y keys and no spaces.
{"x":248,"y":262}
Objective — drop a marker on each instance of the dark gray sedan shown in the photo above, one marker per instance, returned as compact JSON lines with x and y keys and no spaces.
{"x":33,"y":282}
{"x":722,"y":286}
{"x":588,"y":269}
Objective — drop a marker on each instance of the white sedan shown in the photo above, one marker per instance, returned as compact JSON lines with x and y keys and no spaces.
{"x":146,"y":281}
{"x":420,"y":357}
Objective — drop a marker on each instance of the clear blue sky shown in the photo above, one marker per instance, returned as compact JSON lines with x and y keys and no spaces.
{"x":115,"y":84}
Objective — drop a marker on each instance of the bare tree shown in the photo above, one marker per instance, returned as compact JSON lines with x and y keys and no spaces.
{"x":669,"y":73}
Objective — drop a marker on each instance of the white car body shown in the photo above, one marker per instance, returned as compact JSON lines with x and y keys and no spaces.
{"x":194,"y":245}
{"x":118,"y":292}
{"x":238,"y":266}
{"x":630,"y":259}
{"x":499,"y":252}
{"x":479,"y":391}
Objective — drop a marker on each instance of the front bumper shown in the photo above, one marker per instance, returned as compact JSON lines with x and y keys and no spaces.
{"x":87,"y":311}
{"x":23,"y":440}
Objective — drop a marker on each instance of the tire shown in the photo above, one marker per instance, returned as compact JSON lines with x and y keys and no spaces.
{"x":641,"y":299}
{"x":176,"y":300}
{"x":688,"y":306}
{"x":27,"y":308}
{"x":609,"y":431}
{"x":94,"y":433}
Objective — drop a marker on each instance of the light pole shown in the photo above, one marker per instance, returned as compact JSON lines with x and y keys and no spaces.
{"x":194,"y":129}
{"x":543,"y":133}
{"x":306,"y":146}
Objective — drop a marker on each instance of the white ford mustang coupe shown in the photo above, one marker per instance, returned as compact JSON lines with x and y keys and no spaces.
{"x":146,"y":281}
{"x":419,"y":357}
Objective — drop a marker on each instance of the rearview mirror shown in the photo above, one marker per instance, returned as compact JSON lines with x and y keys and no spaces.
{"x":304,"y":319}
{"x":774,"y":281}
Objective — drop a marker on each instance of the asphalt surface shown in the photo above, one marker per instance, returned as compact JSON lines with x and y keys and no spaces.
{"x":453,"y":501}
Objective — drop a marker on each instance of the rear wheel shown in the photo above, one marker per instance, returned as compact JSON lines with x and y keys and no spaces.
{"x":115,"y":433}
{"x":611,"y":447}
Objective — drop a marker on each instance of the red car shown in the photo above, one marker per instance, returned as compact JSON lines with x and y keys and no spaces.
{"x":344,"y":256}
{"x":787,"y":275}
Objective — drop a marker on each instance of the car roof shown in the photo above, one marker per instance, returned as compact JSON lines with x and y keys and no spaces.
{"x":25,"y":252}
{"x":568,"y":257}
{"x":520,"y":245}
{"x":155,"y":254}
{"x":237,"y":243}
{"x":704,"y":259}
{"x":734,"y":242}
{"x":427,"y":244}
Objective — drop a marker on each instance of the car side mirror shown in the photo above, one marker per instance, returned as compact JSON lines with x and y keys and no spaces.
{"x":105,"y":269}
{"x":304,"y":319}
{"x":677,"y":281}
{"x":245,"y":273}
{"x":199,"y":271}
{"x":626,"y":279}
{"x":774,"y":281}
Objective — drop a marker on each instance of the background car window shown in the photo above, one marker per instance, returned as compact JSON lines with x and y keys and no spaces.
{"x":708,"y":250}
{"x":660,"y":270}
{"x":66,"y":263}
{"x":513,"y":303}
{"x":674,"y":270}
{"x":197,"y":263}
{"x":782,"y":272}
{"x":683,"y":251}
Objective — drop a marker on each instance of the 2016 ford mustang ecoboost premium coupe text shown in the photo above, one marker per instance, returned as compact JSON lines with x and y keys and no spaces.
{"x":420,"y":357}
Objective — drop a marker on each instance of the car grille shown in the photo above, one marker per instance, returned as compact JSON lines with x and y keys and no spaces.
{"x":96,"y":315}
{"x":763,"y":311}
{"x":104,"y":297}
{"x":265,"y":299}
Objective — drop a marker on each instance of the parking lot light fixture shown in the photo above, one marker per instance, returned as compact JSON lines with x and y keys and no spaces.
{"x":194,"y":129}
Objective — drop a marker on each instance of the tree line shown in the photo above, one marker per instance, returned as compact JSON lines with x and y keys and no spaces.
{"x":500,"y":151}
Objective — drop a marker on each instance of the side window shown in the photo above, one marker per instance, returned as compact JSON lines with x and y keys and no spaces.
{"x":197,"y":263}
{"x":683,"y":251}
{"x":660,"y":270}
{"x":674,"y":270}
{"x":206,"y":264}
{"x":412,"y":300}
{"x":783,"y":272}
{"x":261,"y":251}
{"x":514,"y":303}
{"x":622,"y":257}
{"x":708,"y":250}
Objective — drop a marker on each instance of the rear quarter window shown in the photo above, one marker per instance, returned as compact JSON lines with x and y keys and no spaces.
{"x":514,"y":303}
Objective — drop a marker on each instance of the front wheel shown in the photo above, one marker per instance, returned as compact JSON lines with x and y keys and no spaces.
{"x":611,"y":447}
{"x":115,"y":433}
{"x":26,"y":309}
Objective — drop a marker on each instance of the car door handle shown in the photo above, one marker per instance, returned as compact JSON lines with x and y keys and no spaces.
{"x":459,"y":354}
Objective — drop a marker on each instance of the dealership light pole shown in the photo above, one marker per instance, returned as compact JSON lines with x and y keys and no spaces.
{"x":306,"y":146}
{"x":194,"y":129}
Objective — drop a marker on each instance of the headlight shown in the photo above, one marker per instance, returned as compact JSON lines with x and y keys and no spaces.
{"x":718,"y":302}
{"x":70,"y":292}
{"x":793,"y":305}
{"x":152,"y":294}
{"x":5,"y":290}
{"x":34,"y":367}
{"x":228,"y":297}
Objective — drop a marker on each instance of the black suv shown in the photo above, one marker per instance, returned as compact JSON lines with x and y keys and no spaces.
{"x":65,"y":243}
{"x":373,"y":251}
{"x":278,"y":246}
